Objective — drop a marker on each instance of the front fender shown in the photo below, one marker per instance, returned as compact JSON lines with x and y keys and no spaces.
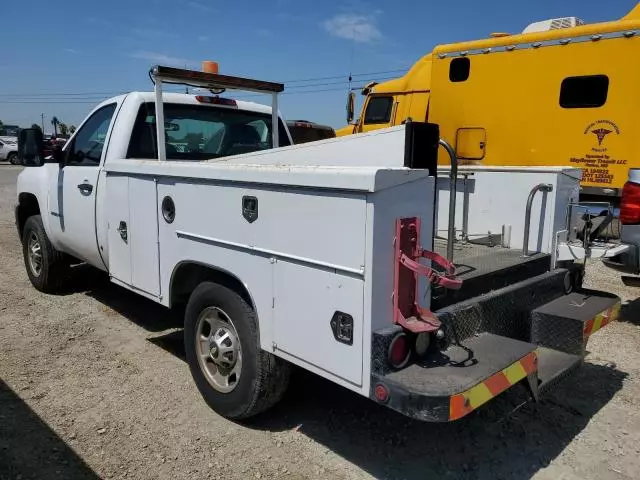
{"x":35,"y":181}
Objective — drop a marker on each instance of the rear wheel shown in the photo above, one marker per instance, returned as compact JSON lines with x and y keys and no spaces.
{"x":46,"y":267}
{"x":13,"y":158}
{"x":234,"y":375}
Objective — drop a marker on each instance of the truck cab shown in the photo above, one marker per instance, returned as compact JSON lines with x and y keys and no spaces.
{"x":198,"y":127}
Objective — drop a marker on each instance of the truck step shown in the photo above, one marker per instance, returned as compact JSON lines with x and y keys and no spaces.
{"x":461,"y":367}
{"x":553,"y":366}
{"x":566,"y":323}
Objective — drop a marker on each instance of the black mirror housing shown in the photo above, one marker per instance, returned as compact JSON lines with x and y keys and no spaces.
{"x":351,"y":100}
{"x":31,"y":147}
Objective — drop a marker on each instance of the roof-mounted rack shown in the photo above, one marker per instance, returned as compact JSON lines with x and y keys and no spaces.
{"x":212,"y":81}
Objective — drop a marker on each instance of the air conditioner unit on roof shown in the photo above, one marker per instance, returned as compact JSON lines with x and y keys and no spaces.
{"x":553,"y":24}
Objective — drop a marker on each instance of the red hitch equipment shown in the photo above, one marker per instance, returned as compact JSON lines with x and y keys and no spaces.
{"x":406,"y":311}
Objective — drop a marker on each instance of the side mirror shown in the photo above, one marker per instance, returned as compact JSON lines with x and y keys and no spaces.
{"x":351,"y":106}
{"x":31,"y":147}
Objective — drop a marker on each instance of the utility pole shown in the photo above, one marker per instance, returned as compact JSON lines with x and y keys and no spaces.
{"x":42,"y":117}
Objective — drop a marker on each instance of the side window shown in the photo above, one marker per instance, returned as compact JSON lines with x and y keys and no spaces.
{"x":378,"y":110}
{"x":459,"y":69}
{"x":86,"y":148}
{"x":588,"y":91}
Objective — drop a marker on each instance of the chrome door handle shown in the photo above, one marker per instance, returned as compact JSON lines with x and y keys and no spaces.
{"x":85,"y":188}
{"x":122,"y":229}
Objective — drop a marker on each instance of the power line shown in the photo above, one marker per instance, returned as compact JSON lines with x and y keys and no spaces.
{"x":14,"y":97}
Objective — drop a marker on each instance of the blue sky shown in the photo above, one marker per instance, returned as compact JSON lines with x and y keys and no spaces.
{"x":60,"y":58}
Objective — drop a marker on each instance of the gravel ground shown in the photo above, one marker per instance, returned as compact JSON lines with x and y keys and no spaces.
{"x":93,"y":384}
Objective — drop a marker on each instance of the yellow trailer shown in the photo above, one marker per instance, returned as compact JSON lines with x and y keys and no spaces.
{"x":560,"y":93}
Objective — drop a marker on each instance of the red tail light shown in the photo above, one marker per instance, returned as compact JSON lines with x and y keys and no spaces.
{"x":399,"y":350}
{"x":630,"y":205}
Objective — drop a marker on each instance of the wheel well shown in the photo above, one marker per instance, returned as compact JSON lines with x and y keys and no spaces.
{"x":188,"y":275}
{"x":27,"y":207}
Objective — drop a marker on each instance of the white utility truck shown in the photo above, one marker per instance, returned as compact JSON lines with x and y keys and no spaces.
{"x":322,"y":255}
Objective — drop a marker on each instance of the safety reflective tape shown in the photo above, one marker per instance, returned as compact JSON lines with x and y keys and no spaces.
{"x":465,"y":402}
{"x":602,"y":319}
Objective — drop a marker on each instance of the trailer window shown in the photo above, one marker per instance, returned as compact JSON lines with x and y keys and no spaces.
{"x":459,"y":69}
{"x":588,"y":91}
{"x":201,"y":132}
{"x":378,"y":110}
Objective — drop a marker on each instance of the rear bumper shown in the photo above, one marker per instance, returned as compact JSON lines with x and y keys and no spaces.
{"x":628,"y":261}
{"x":541,"y":343}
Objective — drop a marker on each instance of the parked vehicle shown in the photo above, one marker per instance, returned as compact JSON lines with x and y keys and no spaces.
{"x":629,"y":261}
{"x":556,"y":94}
{"x":310,"y":255}
{"x":9,"y":130}
{"x":9,"y":149}
{"x":303,"y":131}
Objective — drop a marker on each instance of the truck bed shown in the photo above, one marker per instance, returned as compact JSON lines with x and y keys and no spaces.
{"x":484,"y":268}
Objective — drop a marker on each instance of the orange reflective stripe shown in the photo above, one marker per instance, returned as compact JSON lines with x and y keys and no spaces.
{"x":463,"y":403}
{"x":530,"y":363}
{"x":457,"y":407}
{"x":497,"y":383}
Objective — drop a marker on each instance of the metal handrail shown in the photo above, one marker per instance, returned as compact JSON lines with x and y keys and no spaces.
{"x":453,"y":177}
{"x":541,"y":187}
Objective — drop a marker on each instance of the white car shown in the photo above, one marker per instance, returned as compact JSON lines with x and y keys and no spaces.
{"x":9,"y":149}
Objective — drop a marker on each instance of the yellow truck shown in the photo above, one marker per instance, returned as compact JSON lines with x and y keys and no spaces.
{"x":560,"y":93}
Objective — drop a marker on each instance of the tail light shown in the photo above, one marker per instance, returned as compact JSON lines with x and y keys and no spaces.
{"x":399,"y":350}
{"x":630,"y":204}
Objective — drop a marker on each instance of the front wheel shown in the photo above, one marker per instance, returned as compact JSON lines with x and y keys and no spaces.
{"x":13,"y":158}
{"x":234,"y":375}
{"x":46,"y":267}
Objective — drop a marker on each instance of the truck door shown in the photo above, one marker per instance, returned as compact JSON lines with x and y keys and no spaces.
{"x":72,"y":192}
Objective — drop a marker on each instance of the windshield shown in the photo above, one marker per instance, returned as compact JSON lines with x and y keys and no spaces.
{"x":200,"y":132}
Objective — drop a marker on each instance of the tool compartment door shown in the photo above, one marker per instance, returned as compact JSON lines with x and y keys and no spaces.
{"x":323,"y":278}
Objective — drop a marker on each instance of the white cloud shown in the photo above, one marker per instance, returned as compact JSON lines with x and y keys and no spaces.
{"x":161,"y":58}
{"x":263,"y":32}
{"x":71,"y":50}
{"x":350,"y":26}
{"x":203,"y":38}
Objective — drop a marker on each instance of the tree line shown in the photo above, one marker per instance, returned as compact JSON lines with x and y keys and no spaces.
{"x":58,"y":127}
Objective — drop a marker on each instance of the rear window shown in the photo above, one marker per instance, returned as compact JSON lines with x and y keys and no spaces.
{"x":201,"y":132}
{"x":309,"y":133}
{"x":588,"y":91}
{"x":378,"y":110}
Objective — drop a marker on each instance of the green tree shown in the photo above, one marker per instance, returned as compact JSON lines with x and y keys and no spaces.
{"x":64,"y":130}
{"x":55,"y":122}
{"x":35,"y":125}
{"x":72,"y":129}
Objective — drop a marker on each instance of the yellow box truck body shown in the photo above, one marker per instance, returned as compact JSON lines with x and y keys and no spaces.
{"x":561,"y":93}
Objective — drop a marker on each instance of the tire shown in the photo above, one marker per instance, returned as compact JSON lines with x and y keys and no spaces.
{"x":261,"y":379}
{"x":53,"y":267}
{"x":13,"y":158}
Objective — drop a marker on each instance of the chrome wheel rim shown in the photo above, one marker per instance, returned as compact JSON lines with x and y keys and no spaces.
{"x":218,"y":348}
{"x":34,"y":254}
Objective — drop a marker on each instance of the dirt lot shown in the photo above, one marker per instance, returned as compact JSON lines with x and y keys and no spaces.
{"x":93,"y":385}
